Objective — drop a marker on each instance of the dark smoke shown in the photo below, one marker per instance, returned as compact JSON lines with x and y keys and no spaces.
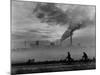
{"x":70,"y":31}
{"x":75,"y":16}
{"x":49,"y":13}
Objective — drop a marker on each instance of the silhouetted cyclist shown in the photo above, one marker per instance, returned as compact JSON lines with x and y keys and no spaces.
{"x":68,"y":58}
{"x":84,"y":57}
{"x":30,"y":61}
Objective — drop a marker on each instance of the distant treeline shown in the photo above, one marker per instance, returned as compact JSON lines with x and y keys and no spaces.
{"x":67,"y":60}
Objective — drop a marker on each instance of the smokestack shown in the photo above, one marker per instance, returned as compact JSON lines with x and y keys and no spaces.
{"x":70,"y":36}
{"x":73,"y":28}
{"x":69,"y":32}
{"x":71,"y":40}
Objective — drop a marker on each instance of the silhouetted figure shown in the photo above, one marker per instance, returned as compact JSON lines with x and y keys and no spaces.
{"x":37,"y":43}
{"x":69,"y":58}
{"x":85,"y":57}
{"x":52,"y":43}
{"x":31,"y":61}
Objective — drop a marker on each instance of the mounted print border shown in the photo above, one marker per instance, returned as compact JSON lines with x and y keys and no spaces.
{"x":52,"y":37}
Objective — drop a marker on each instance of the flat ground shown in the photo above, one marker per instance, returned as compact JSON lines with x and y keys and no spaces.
{"x":51,"y":68}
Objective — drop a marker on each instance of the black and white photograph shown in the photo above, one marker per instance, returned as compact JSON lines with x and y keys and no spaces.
{"x":52,"y":37}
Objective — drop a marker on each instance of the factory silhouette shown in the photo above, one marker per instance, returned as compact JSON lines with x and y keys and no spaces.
{"x":68,"y":58}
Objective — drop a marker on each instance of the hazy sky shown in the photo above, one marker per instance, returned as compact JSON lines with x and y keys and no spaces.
{"x":25,"y":26}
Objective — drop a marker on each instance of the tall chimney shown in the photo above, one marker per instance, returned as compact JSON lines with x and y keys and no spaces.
{"x":71,"y":40}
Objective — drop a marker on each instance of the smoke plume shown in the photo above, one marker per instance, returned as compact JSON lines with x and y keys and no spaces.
{"x":75,"y":16}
